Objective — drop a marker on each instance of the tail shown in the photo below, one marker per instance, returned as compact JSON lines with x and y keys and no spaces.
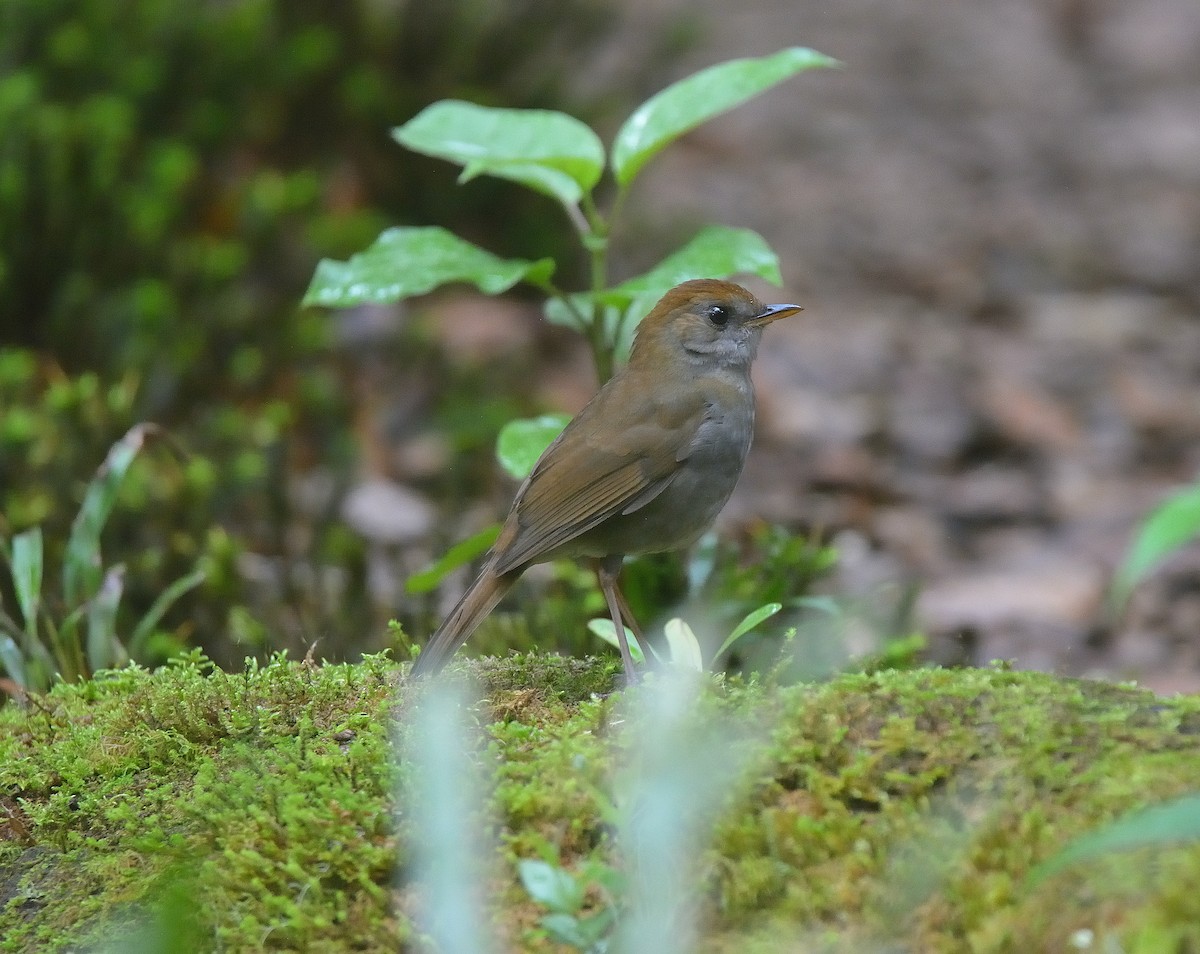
{"x":479,"y":600}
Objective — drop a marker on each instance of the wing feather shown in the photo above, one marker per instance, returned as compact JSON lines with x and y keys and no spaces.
{"x":579,"y":483}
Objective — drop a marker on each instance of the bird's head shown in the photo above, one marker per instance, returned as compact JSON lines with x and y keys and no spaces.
{"x":705,"y":322}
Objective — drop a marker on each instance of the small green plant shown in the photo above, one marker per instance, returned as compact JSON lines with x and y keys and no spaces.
{"x":682,"y":644}
{"x":558,"y":156}
{"x":77,"y":635}
{"x":1170,"y":526}
{"x":571,"y":920}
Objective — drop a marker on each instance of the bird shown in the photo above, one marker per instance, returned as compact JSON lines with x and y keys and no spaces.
{"x":645,"y":467}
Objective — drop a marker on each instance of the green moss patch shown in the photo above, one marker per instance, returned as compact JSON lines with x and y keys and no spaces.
{"x":893,"y":811}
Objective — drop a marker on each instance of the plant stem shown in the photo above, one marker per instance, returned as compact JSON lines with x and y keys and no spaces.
{"x":596,"y":243}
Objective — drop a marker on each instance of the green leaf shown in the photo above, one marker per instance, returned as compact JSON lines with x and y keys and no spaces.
{"x":404,"y":262}
{"x":166,"y":599}
{"x":81,"y":562}
{"x":1173,"y":524}
{"x":1170,"y":823}
{"x":752,"y":619}
{"x":551,"y":886}
{"x":685,"y":647}
{"x":557,"y":185}
{"x":27,"y":575}
{"x":685,"y":105}
{"x":714,"y":252}
{"x":463,"y":552}
{"x":548,"y":151}
{"x":104,"y":650}
{"x":521,"y":442}
{"x":13,"y":661}
{"x":567,"y":929}
{"x":605,"y":629}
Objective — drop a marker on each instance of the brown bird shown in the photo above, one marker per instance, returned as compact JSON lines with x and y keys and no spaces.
{"x":645,"y":467}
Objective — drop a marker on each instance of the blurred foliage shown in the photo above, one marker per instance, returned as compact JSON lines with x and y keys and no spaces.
{"x":55,"y":432}
{"x":713,"y":588}
{"x":1171,"y":526}
{"x":169,"y":174}
{"x":170,"y":170}
{"x":69,"y":623}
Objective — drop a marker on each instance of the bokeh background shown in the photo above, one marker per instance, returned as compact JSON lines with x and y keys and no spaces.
{"x":991,"y":213}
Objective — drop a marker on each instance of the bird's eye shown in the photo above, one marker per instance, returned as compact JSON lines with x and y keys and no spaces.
{"x":718,"y":315}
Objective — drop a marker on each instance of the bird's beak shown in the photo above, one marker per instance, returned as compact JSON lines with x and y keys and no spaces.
{"x":773,"y":313}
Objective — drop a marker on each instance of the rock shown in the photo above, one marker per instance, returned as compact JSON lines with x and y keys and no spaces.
{"x":1042,"y":592}
{"x":1106,"y":320}
{"x":387,"y":513}
{"x":993,"y":494}
{"x":1026,"y":415}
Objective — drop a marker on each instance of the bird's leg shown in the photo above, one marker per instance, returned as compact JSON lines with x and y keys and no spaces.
{"x":607,"y":572}
{"x":630,"y":619}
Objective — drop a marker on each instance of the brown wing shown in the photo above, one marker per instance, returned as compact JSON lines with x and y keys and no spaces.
{"x":592,"y":473}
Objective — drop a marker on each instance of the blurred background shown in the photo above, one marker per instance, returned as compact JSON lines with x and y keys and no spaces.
{"x":991,"y":214}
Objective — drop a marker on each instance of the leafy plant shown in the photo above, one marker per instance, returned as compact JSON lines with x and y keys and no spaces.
{"x":564,"y":895}
{"x":683,"y":646}
{"x":1171,"y":526}
{"x":78,"y":636}
{"x":558,"y":156}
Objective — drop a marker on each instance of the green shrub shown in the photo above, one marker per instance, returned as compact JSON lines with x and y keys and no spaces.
{"x":169,"y":173}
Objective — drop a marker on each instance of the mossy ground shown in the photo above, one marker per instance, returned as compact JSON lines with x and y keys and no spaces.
{"x":886,"y":812}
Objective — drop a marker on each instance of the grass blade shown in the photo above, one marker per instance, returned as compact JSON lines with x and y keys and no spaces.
{"x":764,"y":612}
{"x":166,"y":599}
{"x":1170,"y":823}
{"x":13,"y":661}
{"x":104,"y":650}
{"x":27,"y":576}
{"x":462,"y":552}
{"x":81,"y":563}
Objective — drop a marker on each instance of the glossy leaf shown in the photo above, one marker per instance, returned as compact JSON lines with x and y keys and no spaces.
{"x":548,"y":151}
{"x":1173,"y":524}
{"x":404,"y":262}
{"x":714,"y":252}
{"x":551,"y":182}
{"x":521,"y":442}
{"x":458,"y":555}
{"x":1170,"y":823}
{"x":685,"y":105}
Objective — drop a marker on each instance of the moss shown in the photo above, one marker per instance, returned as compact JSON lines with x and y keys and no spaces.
{"x":892,"y":811}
